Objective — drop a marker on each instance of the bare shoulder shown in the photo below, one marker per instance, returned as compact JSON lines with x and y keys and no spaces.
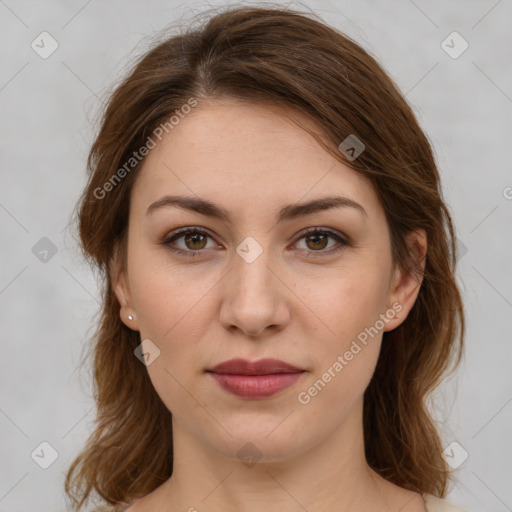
{"x":402,"y":499}
{"x":410,"y":501}
{"x":151,"y":502}
{"x":135,"y":506}
{"x":126,"y":507}
{"x":145,"y":504}
{"x":115,"y":508}
{"x":435,"y":504}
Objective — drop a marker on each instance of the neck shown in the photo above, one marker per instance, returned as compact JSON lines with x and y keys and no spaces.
{"x":329,"y":475}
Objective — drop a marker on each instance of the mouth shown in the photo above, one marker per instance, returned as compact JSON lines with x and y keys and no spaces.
{"x":261,"y":367}
{"x":258,"y":379}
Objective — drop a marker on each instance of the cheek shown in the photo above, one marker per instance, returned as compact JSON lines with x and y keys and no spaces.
{"x":344,"y":362}
{"x":170,"y":313}
{"x":349,"y":307}
{"x":330,"y":396}
{"x":169,"y":299}
{"x":347,"y":303}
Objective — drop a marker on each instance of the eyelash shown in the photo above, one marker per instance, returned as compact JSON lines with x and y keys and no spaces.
{"x":308,"y":232}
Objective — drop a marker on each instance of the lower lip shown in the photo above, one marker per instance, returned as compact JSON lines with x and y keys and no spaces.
{"x":256,"y":386}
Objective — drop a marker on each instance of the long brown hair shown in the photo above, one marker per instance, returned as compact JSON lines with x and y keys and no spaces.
{"x":281,"y":57}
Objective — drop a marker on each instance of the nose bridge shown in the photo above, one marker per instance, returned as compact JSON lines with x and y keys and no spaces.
{"x":252,"y":299}
{"x":253,"y":279}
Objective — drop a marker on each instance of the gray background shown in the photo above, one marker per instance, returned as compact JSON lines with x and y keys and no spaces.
{"x":48,"y":107}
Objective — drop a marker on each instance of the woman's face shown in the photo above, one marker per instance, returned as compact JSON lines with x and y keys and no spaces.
{"x":254,"y":284}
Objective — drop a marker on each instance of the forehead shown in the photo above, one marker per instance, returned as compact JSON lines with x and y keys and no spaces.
{"x":246,"y":155}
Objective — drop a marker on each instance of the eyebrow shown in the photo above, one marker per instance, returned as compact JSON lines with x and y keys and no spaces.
{"x":289,"y":212}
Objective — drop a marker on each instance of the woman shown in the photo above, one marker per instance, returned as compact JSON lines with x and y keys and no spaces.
{"x":279,"y":272}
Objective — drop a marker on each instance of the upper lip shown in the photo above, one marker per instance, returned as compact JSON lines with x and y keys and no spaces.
{"x":261,"y":367}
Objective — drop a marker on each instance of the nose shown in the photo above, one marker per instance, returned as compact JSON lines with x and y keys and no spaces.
{"x":254,"y":297}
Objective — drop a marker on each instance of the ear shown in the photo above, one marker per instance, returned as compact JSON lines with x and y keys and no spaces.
{"x":405,"y":286}
{"x":121,"y":288}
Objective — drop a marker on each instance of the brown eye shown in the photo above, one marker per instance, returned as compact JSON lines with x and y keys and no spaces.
{"x":188,"y":242}
{"x":318,"y":242}
{"x":195,"y":240}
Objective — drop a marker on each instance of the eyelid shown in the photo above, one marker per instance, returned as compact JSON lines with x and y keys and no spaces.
{"x":174,"y":235}
{"x":333,"y":232}
{"x":342,"y":239}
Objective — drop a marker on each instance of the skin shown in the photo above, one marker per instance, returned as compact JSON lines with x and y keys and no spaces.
{"x":253,"y":160}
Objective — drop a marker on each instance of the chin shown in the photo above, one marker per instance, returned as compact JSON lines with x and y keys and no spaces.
{"x":252,"y":445}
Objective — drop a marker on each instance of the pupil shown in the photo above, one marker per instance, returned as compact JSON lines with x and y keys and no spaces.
{"x":194,"y":237}
{"x":316,"y":237}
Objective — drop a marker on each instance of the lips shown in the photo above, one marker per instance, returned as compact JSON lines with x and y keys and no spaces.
{"x":255,"y":379}
{"x":261,"y":367}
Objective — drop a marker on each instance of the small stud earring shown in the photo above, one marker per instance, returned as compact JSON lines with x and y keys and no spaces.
{"x":130,"y":317}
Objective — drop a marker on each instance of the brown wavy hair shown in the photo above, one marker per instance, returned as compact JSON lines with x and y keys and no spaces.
{"x":283,"y":57}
